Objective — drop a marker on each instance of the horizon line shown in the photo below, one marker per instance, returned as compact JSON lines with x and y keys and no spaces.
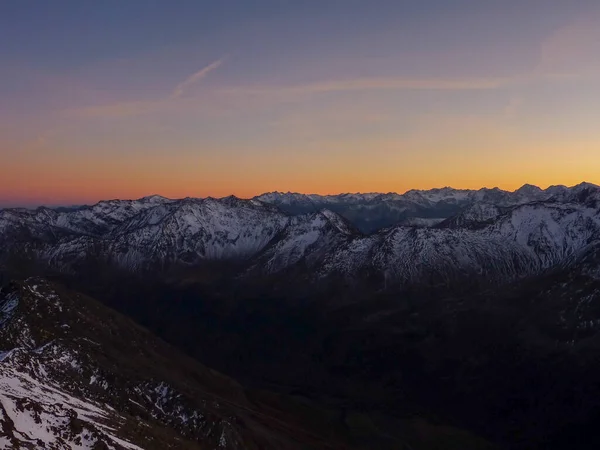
{"x":83,"y":205}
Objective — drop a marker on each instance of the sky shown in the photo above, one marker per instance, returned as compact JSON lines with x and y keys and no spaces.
{"x":122,"y":99}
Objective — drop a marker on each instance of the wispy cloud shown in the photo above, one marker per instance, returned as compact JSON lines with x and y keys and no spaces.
{"x":236,"y":96}
{"x":575,"y":39}
{"x":195,"y":77}
{"x":376,"y":83}
{"x":133,"y":108}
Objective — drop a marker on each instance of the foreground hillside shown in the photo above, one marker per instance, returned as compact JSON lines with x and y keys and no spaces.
{"x":77,"y":375}
{"x":74,"y":374}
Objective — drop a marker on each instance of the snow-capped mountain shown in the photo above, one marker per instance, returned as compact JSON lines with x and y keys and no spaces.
{"x":87,"y":220}
{"x":492,"y":241}
{"x":370,"y":212}
{"x":306,"y":239}
{"x":159,"y":233}
{"x":194,"y":230}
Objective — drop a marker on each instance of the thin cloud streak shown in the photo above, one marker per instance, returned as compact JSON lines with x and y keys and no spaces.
{"x":543,"y":71}
{"x":194,"y":78}
{"x":133,"y":108}
{"x":361,"y":84}
{"x":122,"y":109}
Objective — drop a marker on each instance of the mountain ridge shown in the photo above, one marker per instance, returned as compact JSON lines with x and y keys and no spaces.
{"x":369,"y":195}
{"x":507,"y":238}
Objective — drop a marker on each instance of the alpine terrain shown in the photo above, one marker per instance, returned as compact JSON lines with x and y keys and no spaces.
{"x":432,"y":319}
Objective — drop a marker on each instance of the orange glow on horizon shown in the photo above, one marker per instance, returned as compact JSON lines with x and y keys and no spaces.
{"x":35,"y":186}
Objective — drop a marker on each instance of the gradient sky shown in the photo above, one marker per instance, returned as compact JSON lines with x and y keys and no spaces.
{"x":121,"y":99}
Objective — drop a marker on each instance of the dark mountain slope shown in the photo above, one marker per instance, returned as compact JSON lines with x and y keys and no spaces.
{"x":119,"y":386}
{"x":518,"y":364}
{"x":141,"y":390}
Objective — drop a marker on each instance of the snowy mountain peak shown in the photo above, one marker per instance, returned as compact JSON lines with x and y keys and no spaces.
{"x":528,"y":189}
{"x":158,"y":199}
{"x":585,"y":185}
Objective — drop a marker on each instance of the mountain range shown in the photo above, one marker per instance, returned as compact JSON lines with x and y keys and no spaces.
{"x":492,"y":235}
{"x":373,"y":211}
{"x":348,"y":321}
